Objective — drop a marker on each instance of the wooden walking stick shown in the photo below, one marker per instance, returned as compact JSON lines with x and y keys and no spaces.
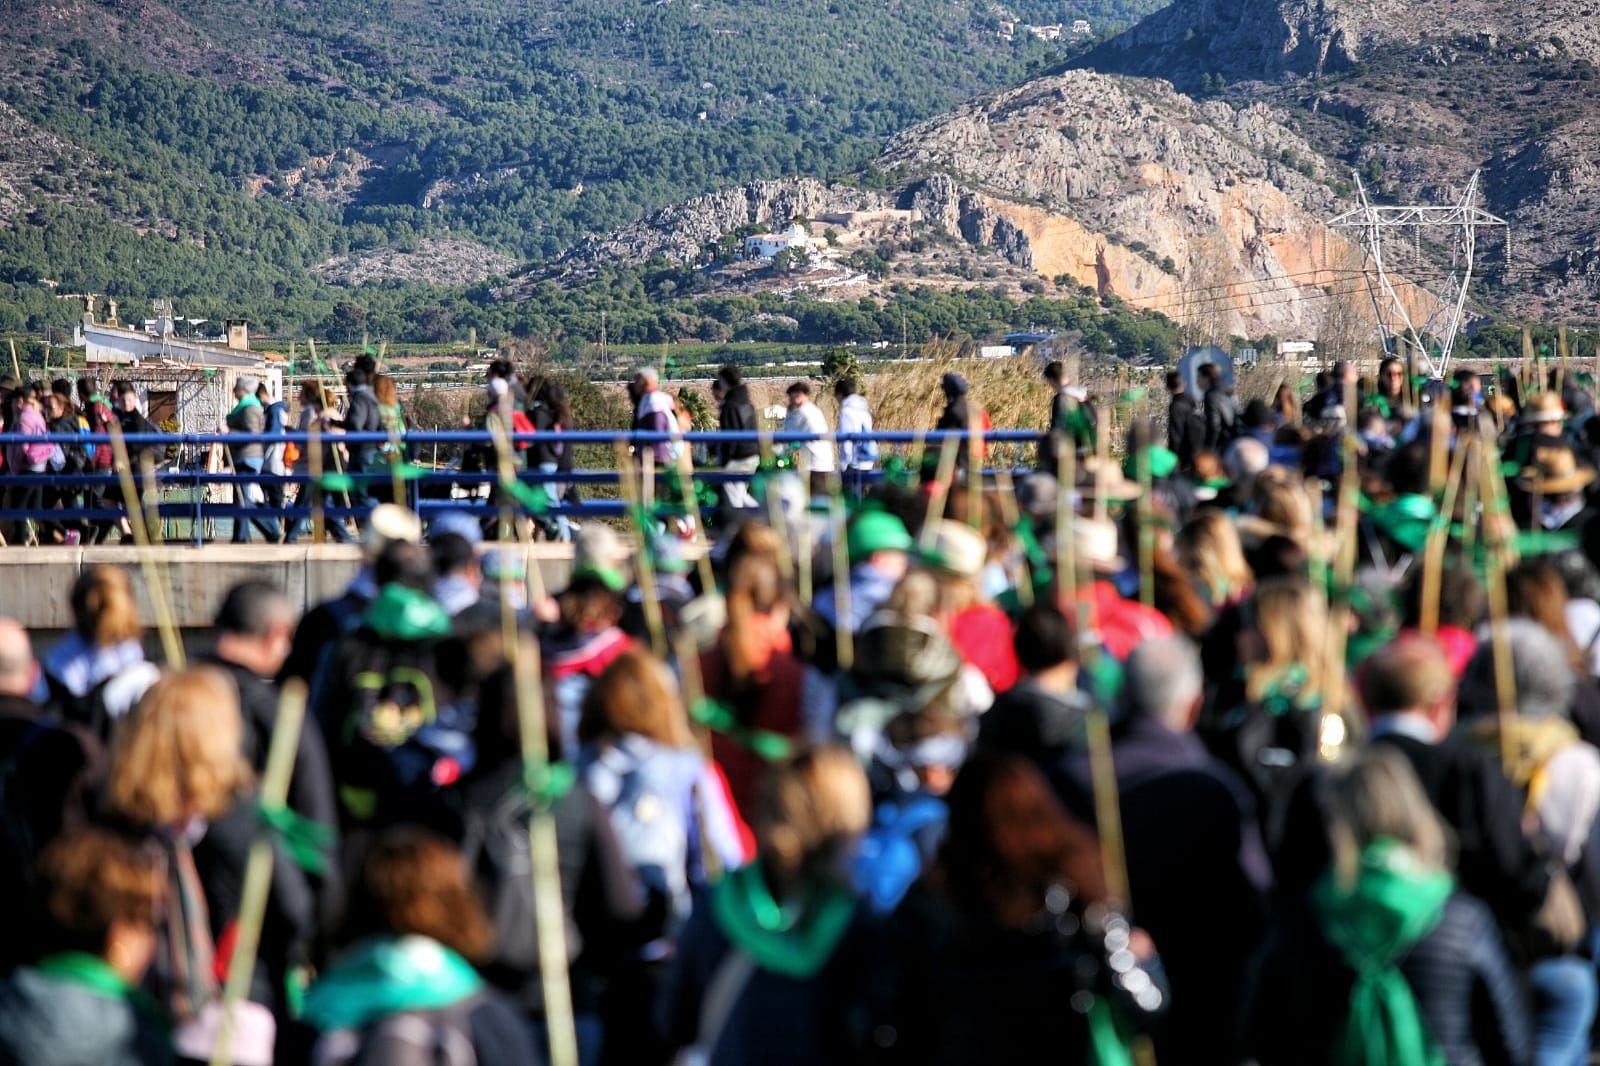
{"x":1438,"y":538}
{"x":1066,"y":550}
{"x":1494,"y":533}
{"x":975,"y":474}
{"x":1147,"y":540}
{"x":16,"y":367}
{"x":691,"y":507}
{"x":160,"y":594}
{"x":774,"y":502}
{"x":275,"y":778}
{"x":802,"y":532}
{"x":1331,"y":732}
{"x":1011,"y":515}
{"x":549,"y":914}
{"x":693,"y":686}
{"x":844,"y":640}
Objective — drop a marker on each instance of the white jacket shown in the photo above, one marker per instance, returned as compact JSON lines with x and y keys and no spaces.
{"x":808,"y":418}
{"x":854,"y":417}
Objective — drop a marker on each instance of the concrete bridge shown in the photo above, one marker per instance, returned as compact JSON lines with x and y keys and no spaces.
{"x":36,"y":583}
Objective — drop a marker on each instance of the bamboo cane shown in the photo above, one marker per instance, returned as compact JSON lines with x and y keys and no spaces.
{"x":643,"y":565}
{"x":275,"y":778}
{"x":1331,"y":733}
{"x":1107,"y":808}
{"x":693,"y":685}
{"x":314,"y":465}
{"x":1102,"y":455}
{"x":691,"y":507}
{"x":549,"y":915}
{"x":1066,"y":550}
{"x":16,"y":367}
{"x":1011,"y":514}
{"x":844,"y":641}
{"x":1147,"y":584}
{"x":1499,"y":606}
{"x":939,"y":491}
{"x":775,"y":504}
{"x":975,"y":473}
{"x":171,"y":642}
{"x":1434,"y":548}
{"x":802,"y":532}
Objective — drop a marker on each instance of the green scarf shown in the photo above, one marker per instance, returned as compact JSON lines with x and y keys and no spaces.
{"x":247,"y":400}
{"x":1394,"y":902}
{"x":389,"y":975}
{"x":795,"y":940}
{"x":94,"y":974}
{"x":1406,"y":520}
{"x":401,"y":613}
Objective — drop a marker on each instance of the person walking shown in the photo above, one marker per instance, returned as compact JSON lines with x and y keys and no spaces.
{"x":247,"y":419}
{"x":277,"y":415}
{"x":736,"y":414}
{"x":806,"y":417}
{"x":1221,"y":409}
{"x":550,"y":415}
{"x":857,"y":457}
{"x":652,"y":412}
{"x":1186,"y":430}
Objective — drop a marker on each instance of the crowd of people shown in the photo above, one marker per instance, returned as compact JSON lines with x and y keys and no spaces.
{"x":1272,"y":742}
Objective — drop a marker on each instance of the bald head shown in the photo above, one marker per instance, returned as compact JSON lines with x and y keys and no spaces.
{"x":18,"y":671}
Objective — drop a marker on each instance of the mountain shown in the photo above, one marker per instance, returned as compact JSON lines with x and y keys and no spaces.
{"x":233,"y":154}
{"x":1416,"y":103}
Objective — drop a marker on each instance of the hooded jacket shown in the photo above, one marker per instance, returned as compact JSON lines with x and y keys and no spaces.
{"x":737,"y":413}
{"x":855,"y":417}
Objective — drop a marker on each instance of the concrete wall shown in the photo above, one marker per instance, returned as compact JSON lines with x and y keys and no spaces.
{"x":36,"y":583}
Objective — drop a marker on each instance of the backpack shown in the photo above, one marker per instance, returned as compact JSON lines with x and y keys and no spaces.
{"x":495,"y":847}
{"x":645,"y":790}
{"x":890,"y":857}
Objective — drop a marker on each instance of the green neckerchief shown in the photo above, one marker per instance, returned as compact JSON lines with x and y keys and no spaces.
{"x":94,"y":974}
{"x":1394,"y":902}
{"x":795,"y":941}
{"x":719,"y":718}
{"x":389,"y":975}
{"x":247,"y":400}
{"x":401,"y":613}
{"x":1406,"y":520}
{"x":305,"y":840}
{"x":1285,"y":693}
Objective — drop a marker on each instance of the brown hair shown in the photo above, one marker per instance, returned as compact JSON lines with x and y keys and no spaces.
{"x":1406,"y":674}
{"x":311,"y":392}
{"x":384,"y":391}
{"x":91,"y":879}
{"x":589,"y":605}
{"x":755,"y":587}
{"x":179,"y":754}
{"x":810,"y":806}
{"x":1175,"y":595}
{"x":1009,"y":842}
{"x":1536,"y":592}
{"x":1208,"y":547}
{"x":415,"y":883}
{"x":103,"y":608}
{"x":1377,"y":795}
{"x":635,"y":694}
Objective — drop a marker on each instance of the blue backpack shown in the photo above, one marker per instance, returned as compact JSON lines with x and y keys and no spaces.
{"x":890,"y":857}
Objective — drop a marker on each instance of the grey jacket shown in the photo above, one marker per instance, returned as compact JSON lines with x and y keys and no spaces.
{"x":45,"y":1021}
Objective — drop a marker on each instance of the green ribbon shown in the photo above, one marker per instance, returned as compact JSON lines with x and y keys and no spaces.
{"x":898,"y":472}
{"x":534,"y":501}
{"x":719,"y":718}
{"x":337,"y":482}
{"x":406,"y":471}
{"x":1107,"y":1044}
{"x":795,"y":941}
{"x":671,"y":491}
{"x":304,"y":840}
{"x":547,"y":783}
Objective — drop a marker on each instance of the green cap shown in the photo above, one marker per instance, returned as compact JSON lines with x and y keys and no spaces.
{"x":1163,"y":463}
{"x":609,"y":577}
{"x":877,"y":531}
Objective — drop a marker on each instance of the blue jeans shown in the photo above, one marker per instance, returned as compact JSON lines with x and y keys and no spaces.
{"x":241,"y":500}
{"x":1564,"y":993}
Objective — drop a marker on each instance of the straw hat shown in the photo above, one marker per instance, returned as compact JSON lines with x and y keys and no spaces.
{"x":1542,"y":408}
{"x":388,"y":523}
{"x":1104,"y":479}
{"x":1555,"y":472}
{"x":1094,"y":541}
{"x":956,"y":548}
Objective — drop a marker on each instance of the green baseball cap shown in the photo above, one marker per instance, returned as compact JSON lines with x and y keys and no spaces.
{"x":877,"y":531}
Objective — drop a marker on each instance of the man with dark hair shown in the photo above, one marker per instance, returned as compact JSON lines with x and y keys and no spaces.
{"x":362,"y":416}
{"x":1186,"y":430}
{"x":254,"y":630}
{"x":854,"y":417}
{"x":1221,"y":410}
{"x":1041,"y":717}
{"x":806,"y":417}
{"x":735,"y":413}
{"x":1196,"y":863}
{"x":1071,"y":415}
{"x":457,"y":574}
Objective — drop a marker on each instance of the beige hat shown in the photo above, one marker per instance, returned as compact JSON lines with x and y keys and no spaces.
{"x":1097,"y":478}
{"x":1094,"y":540}
{"x":388,"y":523}
{"x":955,"y":548}
{"x":1554,"y":471}
{"x":1543,"y":407}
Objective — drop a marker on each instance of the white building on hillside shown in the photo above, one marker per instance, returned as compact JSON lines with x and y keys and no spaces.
{"x":767,"y":245}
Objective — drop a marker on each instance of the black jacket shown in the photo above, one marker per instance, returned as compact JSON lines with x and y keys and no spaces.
{"x":547,"y":447}
{"x":1038,"y":725}
{"x":362,"y":416}
{"x":1222,"y":417}
{"x":1466,"y":990}
{"x":737,"y":413}
{"x":1198,"y":874}
{"x":1186,"y":430}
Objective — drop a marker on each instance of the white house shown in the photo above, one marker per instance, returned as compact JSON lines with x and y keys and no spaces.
{"x":767,"y":245}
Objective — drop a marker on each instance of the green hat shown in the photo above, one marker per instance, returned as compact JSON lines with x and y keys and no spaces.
{"x":607,"y":576}
{"x":877,"y":531}
{"x":1163,"y":463}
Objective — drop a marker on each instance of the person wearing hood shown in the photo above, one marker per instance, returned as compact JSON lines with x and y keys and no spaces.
{"x":879,"y":549}
{"x":248,"y":417}
{"x":405,"y":989}
{"x":736,"y":414}
{"x":652,"y":412}
{"x":854,"y":417}
{"x":956,"y":416}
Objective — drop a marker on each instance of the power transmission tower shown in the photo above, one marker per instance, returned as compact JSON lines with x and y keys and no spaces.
{"x":1390,"y":236}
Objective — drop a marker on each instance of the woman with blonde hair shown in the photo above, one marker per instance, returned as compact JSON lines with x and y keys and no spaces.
{"x":777,"y":955}
{"x":1208,"y":548}
{"x":97,"y":671}
{"x":1384,"y":961}
{"x":1284,"y":653}
{"x":179,"y":777}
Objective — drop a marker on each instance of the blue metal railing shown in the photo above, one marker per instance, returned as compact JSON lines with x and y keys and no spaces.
{"x":96,"y":498}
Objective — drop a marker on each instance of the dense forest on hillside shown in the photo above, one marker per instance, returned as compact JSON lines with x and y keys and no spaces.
{"x":216,"y":152}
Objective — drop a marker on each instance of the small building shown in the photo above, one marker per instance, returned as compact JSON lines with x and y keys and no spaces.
{"x":1080,"y":28}
{"x":765,"y":246}
{"x":182,"y":381}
